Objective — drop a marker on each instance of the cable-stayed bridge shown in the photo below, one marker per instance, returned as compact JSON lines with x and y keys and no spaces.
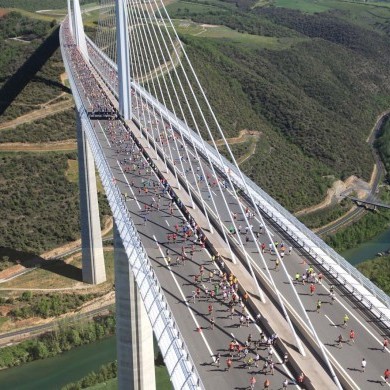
{"x":203,"y":257}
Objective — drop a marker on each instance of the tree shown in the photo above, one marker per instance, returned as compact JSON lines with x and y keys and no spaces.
{"x":39,"y":351}
{"x":26,"y":296}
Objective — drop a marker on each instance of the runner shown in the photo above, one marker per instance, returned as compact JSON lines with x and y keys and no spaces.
{"x":252,"y":382}
{"x":272,"y":368}
{"x":212,"y":323}
{"x":285,"y":384}
{"x":301,"y":378}
{"x":228,"y":364}
{"x":351,"y":336}
{"x":363,"y":365}
{"x":386,"y":375}
{"x":345,"y":320}
{"x":319,"y":303}
{"x":340,"y":341}
{"x":277,"y":264}
{"x":312,"y":288}
{"x":332,"y":297}
{"x":385,"y":345}
{"x":218,"y":359}
{"x":267,"y":384}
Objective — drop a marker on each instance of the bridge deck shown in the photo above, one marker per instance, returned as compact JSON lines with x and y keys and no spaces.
{"x":327,"y":322}
{"x":370,"y":202}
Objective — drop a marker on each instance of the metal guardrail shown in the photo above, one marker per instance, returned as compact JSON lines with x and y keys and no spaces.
{"x":324,"y":255}
{"x":180,"y":366}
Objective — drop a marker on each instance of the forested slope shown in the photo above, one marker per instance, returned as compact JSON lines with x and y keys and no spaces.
{"x":315,"y":100}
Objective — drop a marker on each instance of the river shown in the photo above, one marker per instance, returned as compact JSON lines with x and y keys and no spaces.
{"x":369,"y":249}
{"x":53,"y":373}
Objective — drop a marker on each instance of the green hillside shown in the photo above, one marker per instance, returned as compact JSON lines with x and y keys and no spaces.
{"x":312,"y":83}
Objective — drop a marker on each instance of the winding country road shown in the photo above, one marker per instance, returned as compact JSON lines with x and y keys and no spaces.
{"x":359,"y":212}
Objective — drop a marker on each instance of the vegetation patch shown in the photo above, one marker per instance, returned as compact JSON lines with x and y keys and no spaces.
{"x":324,"y":216}
{"x":40,"y":207}
{"x":303,"y":5}
{"x":48,"y":305}
{"x":382,"y":143}
{"x":37,"y":5}
{"x":57,"y":127}
{"x":378,"y":271}
{"x":64,"y":338}
{"x":104,"y":374}
{"x":314,"y":100}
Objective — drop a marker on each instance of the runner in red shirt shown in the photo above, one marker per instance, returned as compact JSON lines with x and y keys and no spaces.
{"x":352,"y":336}
{"x":386,"y":375}
{"x":312,"y":288}
{"x":385,"y":345}
{"x":228,"y":364}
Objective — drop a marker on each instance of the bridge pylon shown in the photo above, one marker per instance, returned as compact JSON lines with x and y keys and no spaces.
{"x":123,"y":59}
{"x":93,"y":268}
{"x":70,"y":17}
{"x":134,"y":334}
{"x":79,"y":34}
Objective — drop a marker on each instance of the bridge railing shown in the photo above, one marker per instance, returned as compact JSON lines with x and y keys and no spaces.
{"x":181,"y":368}
{"x":347,"y":275}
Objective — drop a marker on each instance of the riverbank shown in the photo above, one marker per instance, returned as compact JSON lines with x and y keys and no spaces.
{"x":368,"y":250}
{"x":58,"y":371}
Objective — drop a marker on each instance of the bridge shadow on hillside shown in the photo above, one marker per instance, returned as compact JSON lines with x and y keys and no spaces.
{"x":59,"y":267}
{"x":26,"y":259}
{"x":30,"y":260}
{"x":27,"y":72}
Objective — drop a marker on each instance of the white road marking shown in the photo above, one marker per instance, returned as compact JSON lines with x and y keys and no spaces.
{"x":353,"y":315}
{"x":387,"y":383}
{"x":167,"y":222}
{"x":104,"y":134}
{"x":128,"y":184}
{"x":296,"y":315}
{"x":330,"y":320}
{"x":188,"y":306}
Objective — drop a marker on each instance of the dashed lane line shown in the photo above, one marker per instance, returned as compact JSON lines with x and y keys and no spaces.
{"x":330,"y":320}
{"x":128,"y":184}
{"x":186,"y":302}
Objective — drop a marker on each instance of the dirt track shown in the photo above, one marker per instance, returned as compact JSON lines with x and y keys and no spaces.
{"x":47,"y":110}
{"x":44,"y":147}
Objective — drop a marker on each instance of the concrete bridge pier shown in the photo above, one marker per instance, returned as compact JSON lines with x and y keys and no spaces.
{"x":94,"y":271}
{"x":134,"y":334}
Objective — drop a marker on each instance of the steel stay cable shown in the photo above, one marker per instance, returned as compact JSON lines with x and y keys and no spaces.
{"x":261,"y":294}
{"x":241,"y":208}
{"x":174,"y":139}
{"x":189,"y":106}
{"x":241,"y":176}
{"x":104,"y":31}
{"x":167,"y":137}
{"x":170,"y":124}
{"x":142,"y":102}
